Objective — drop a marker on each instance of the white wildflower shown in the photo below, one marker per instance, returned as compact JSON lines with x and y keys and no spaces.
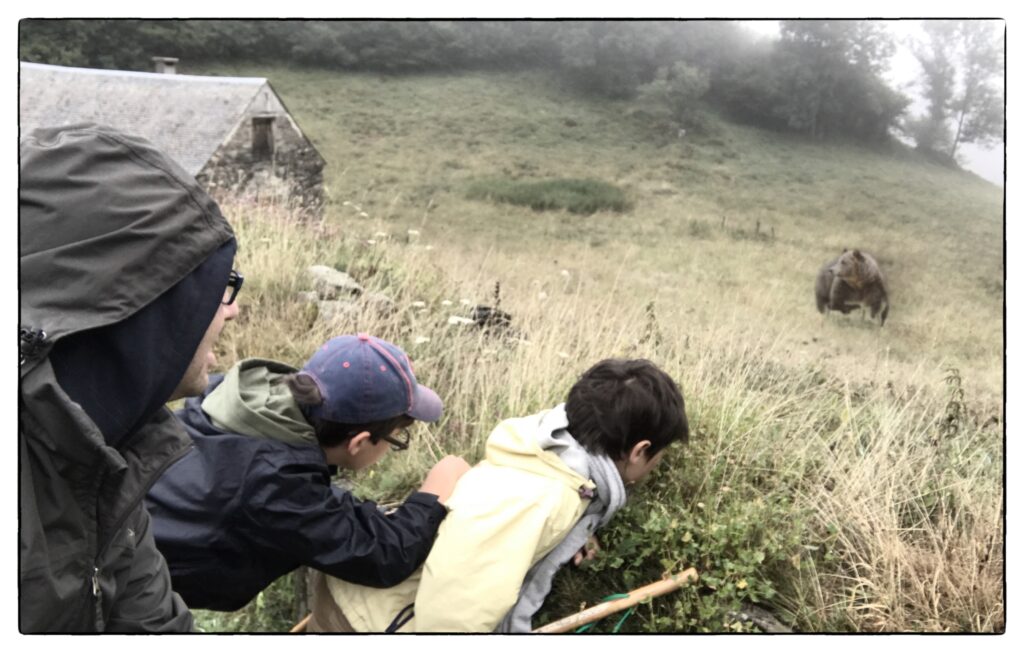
{"x":413,"y":232}
{"x":458,"y":319}
{"x":364,"y":214}
{"x":371,"y":241}
{"x":421,"y":339}
{"x":418,"y":304}
{"x":446,"y":302}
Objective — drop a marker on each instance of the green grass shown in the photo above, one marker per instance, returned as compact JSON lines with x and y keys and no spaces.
{"x":584,"y":196}
{"x":824,"y":479}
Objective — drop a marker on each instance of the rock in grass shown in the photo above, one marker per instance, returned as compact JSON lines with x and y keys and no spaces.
{"x":331,"y":284}
{"x":330,"y":311}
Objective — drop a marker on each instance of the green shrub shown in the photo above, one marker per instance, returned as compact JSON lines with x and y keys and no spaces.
{"x":742,"y":543}
{"x":584,"y":196}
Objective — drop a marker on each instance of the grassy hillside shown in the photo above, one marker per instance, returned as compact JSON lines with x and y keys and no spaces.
{"x":846,"y":476}
{"x":405,"y":151}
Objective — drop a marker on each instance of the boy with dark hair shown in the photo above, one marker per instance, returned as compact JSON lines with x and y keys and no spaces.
{"x":253,"y":500}
{"x":548,"y":481}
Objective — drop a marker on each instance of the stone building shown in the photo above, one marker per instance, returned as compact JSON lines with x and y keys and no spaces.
{"x":232,"y":133}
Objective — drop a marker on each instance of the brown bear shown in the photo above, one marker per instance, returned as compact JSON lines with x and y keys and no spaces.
{"x":854,"y":279}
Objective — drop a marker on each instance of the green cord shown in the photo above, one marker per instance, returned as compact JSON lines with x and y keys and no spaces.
{"x":611,"y":597}
{"x":619,"y":625}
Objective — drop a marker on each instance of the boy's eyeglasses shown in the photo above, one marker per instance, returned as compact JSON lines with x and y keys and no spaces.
{"x":234,"y":285}
{"x":400,"y":443}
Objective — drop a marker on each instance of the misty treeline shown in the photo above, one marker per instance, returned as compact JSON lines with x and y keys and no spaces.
{"x":961,"y":65}
{"x":821,"y":78}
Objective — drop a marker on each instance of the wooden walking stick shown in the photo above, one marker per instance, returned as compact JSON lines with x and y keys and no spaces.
{"x":301,"y":626}
{"x":602,"y":610}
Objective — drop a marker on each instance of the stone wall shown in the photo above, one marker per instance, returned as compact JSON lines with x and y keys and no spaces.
{"x":293,"y":174}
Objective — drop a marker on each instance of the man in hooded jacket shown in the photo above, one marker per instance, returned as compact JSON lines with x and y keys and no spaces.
{"x":124,"y":264}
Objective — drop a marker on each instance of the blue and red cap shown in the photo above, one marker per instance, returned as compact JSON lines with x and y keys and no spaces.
{"x":365,"y":379}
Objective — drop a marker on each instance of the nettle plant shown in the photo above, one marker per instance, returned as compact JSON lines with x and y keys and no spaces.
{"x":743,"y":541}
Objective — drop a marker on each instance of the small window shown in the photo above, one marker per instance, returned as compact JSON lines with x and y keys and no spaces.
{"x":263,"y":137}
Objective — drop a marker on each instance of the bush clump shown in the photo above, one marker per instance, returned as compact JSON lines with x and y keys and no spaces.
{"x":584,"y":196}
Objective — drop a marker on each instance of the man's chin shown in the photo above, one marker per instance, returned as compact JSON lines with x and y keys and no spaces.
{"x":199,"y":384}
{"x":191,"y":387}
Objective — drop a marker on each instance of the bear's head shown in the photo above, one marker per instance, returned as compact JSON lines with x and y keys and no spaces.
{"x":852,"y":268}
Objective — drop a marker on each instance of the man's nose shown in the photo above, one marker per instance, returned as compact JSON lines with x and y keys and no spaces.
{"x":230,"y":310}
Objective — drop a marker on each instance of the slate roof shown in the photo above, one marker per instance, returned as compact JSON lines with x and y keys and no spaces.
{"x":187,"y":116}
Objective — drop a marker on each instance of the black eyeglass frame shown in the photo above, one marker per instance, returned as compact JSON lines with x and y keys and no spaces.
{"x":396,"y":444}
{"x":235,"y":280}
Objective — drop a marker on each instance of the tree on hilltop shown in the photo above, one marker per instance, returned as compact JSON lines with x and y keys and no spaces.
{"x":829,"y":71}
{"x":963,"y":64}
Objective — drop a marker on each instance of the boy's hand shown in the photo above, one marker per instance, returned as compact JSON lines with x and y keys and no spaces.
{"x":443,"y":476}
{"x":588,"y":552}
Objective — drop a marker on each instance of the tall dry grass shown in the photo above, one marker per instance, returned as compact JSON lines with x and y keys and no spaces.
{"x":877,"y":497}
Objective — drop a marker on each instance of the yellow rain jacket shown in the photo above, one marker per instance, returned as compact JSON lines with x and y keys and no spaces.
{"x":505,"y":514}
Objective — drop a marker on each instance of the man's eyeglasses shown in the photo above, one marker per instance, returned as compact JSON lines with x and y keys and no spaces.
{"x":399,"y":443}
{"x":234,"y":285}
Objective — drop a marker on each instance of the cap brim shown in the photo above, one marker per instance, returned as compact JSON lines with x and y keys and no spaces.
{"x":426,"y":405}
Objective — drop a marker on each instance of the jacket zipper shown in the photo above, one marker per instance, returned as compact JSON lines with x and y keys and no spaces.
{"x":96,"y":591}
{"x":97,"y":595}
{"x":30,"y":342}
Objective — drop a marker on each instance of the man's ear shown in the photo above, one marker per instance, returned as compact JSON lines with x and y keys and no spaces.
{"x":356,"y":443}
{"x":639,"y":453}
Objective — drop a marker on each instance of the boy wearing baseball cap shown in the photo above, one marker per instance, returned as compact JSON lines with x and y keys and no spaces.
{"x":253,"y":499}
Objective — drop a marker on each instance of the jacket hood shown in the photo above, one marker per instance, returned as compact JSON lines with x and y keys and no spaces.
{"x":123,"y":264}
{"x":251,"y":401}
{"x":531,"y":444}
{"x":122,"y":373}
{"x":107,"y":223}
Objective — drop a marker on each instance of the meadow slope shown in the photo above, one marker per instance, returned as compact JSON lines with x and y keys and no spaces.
{"x":848,"y":477}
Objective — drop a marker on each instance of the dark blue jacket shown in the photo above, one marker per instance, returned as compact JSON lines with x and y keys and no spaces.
{"x":237,"y":512}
